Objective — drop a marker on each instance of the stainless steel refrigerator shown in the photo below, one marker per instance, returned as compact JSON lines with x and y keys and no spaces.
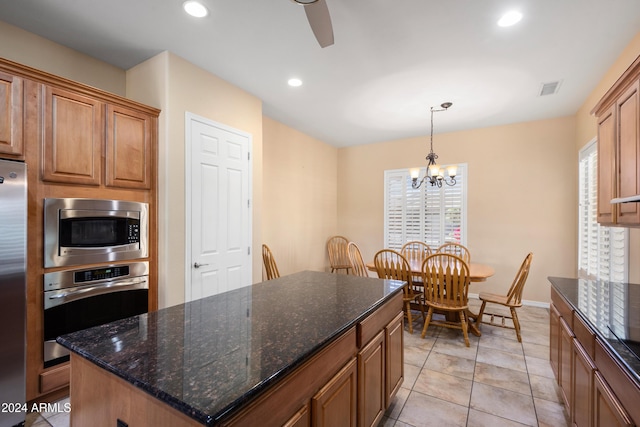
{"x":13,"y":263}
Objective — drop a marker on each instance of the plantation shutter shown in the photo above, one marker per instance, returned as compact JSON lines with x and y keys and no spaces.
{"x":429,"y":214}
{"x":602,"y":251}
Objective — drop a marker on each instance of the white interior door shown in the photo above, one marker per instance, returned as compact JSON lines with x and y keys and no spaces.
{"x":219,"y":207}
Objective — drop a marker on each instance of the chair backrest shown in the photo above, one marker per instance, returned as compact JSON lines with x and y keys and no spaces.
{"x":337,"y":248}
{"x":446,"y":280}
{"x":456,"y":249}
{"x":269,"y":263}
{"x":514,"y":296}
{"x":415,"y":252}
{"x":392,"y":265}
{"x":355,"y":259}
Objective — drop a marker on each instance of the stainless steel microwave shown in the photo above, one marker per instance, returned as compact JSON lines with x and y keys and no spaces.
{"x":87,"y":231}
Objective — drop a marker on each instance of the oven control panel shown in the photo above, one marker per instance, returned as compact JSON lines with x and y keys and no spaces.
{"x":87,"y":276}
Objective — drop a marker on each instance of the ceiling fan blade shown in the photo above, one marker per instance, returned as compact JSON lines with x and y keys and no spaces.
{"x":320,"y":21}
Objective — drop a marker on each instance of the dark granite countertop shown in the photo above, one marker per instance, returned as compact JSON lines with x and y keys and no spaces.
{"x":613,"y":312}
{"x":207,"y":358}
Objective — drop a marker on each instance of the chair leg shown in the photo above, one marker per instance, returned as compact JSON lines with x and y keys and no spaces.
{"x":516,"y":323}
{"x":463,"y":323}
{"x":408,"y":310}
{"x":427,"y":321}
{"x":479,"y":318}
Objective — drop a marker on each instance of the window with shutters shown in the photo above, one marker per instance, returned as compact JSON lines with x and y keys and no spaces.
{"x":602,"y":251}
{"x":430,"y":214}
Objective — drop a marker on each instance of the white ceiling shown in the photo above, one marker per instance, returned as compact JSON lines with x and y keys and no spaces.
{"x":391,"y":61}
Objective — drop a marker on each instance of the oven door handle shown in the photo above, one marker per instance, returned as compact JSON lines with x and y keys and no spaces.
{"x":62,"y":297}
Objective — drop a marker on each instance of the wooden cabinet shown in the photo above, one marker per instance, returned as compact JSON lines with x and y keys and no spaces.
{"x":394,"y":341}
{"x":73,"y":138}
{"x":84,"y":136}
{"x":11,"y":115}
{"x":129,"y":152}
{"x":594,"y":387}
{"x":371,"y":382}
{"x":618,"y":119}
{"x":607,"y":409}
{"x":582,"y":386}
{"x":335,"y":404}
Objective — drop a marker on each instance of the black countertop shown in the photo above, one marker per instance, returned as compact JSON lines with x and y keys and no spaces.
{"x":207,"y":358}
{"x":613,"y":312}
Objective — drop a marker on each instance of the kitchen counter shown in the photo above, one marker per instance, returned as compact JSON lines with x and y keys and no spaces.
{"x":211,"y":357}
{"x":610,"y":309}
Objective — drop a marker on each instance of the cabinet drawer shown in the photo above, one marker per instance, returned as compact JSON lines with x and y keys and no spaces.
{"x":565,"y":310}
{"x":369,"y":327}
{"x":55,"y":378}
{"x":584,"y":335}
{"x":625,"y":389}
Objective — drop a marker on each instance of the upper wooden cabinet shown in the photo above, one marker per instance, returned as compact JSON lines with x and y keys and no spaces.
{"x":129,"y":137}
{"x":618,"y":115}
{"x":11,"y":117}
{"x":73,"y":138}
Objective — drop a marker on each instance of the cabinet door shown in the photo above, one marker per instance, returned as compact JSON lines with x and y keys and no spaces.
{"x":607,"y":410}
{"x":582,"y":386}
{"x":394,"y":338}
{"x":302,"y":418}
{"x":628,"y":117}
{"x":73,"y":138}
{"x":129,"y":156}
{"x":371,"y":382}
{"x":554,"y":340}
{"x":11,"y":96}
{"x":566,"y":363}
{"x":606,"y":166}
{"x":335,"y":405}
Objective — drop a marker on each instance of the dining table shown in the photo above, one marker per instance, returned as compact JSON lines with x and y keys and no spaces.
{"x":477,"y":273}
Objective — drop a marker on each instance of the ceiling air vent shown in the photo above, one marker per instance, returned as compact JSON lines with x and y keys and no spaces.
{"x":549,"y":88}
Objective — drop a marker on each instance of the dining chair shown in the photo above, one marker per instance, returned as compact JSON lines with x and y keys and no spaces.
{"x":513,"y":300}
{"x":338,"y":257}
{"x":355,"y":259}
{"x":416,"y":252}
{"x":456,"y":249}
{"x":392,"y":265}
{"x":446,"y":288}
{"x":269,"y":263}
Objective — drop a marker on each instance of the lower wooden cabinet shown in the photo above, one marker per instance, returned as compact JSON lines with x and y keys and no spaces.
{"x":371,"y":381}
{"x":554,"y":344}
{"x":566,"y":361}
{"x":335,"y":404}
{"x":607,"y":409}
{"x":394,"y":341}
{"x":582,"y":386}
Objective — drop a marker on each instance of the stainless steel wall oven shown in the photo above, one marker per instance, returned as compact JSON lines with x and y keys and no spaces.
{"x":82,"y":298}
{"x":88,"y":231}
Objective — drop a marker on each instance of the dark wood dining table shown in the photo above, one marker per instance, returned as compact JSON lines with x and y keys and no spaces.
{"x":477,"y":273}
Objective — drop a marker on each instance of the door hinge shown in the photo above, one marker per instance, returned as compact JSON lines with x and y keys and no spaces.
{"x":248,"y":203}
{"x":249,"y":250}
{"x":248,"y":156}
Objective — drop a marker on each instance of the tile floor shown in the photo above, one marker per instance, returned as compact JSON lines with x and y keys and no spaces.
{"x":495,"y":382}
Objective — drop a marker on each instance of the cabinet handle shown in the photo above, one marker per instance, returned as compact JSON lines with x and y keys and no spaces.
{"x":196,"y":265}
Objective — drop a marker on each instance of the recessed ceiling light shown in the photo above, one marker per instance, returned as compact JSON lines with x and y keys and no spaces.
{"x":295,"y":82}
{"x":195,"y":8}
{"x":510,"y":18}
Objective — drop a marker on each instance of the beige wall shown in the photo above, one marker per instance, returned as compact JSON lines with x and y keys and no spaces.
{"x":29,"y":49}
{"x":300,"y":197}
{"x":521,"y":196}
{"x":586,"y":130}
{"x":177,"y":86}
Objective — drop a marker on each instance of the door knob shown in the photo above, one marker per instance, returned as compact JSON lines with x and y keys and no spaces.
{"x":196,"y":265}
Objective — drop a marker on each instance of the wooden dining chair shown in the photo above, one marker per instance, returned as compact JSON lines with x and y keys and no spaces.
{"x":392,"y":265}
{"x":446,"y":289}
{"x":338,"y":257}
{"x":269,"y":263}
{"x":416,"y":252}
{"x":456,"y":249}
{"x":355,"y":260}
{"x":513,"y":300}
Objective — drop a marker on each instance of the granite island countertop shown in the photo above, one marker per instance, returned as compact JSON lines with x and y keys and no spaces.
{"x":210,"y":357}
{"x":611,"y":309}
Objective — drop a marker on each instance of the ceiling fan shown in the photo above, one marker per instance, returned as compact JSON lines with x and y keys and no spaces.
{"x":319,"y":19}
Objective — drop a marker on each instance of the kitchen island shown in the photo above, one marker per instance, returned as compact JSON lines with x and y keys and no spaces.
{"x":306,"y":349}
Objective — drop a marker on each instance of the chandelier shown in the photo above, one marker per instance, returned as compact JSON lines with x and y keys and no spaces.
{"x":435,"y":175}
